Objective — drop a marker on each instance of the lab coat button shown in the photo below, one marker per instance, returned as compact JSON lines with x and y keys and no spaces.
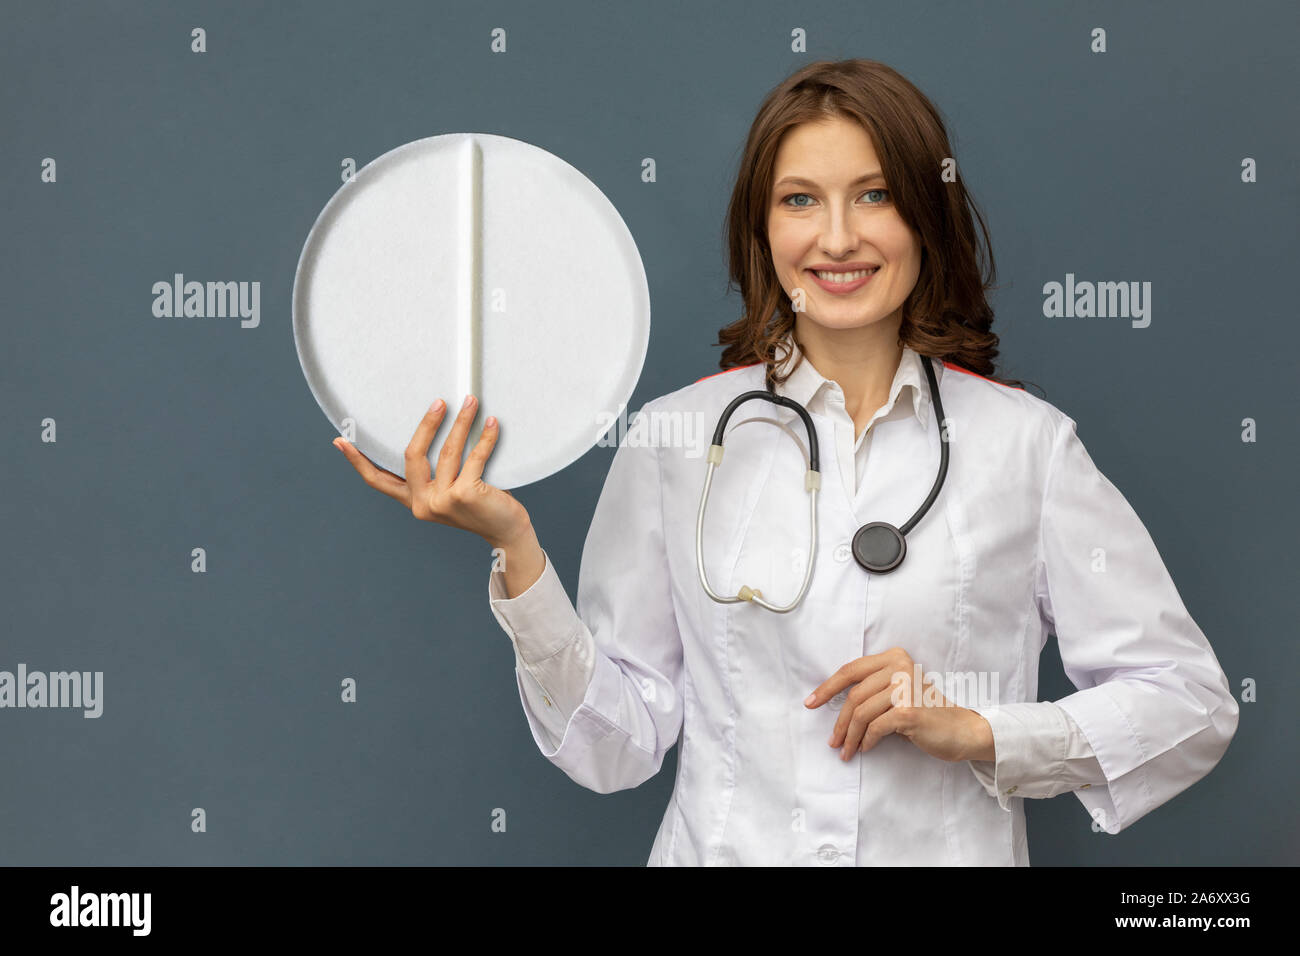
{"x":1012,"y":790}
{"x":547,"y":699}
{"x":1085,"y":786}
{"x":827,"y":854}
{"x":843,"y":552}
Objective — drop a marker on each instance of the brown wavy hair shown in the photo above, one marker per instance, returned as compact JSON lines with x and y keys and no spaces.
{"x":946,"y":316}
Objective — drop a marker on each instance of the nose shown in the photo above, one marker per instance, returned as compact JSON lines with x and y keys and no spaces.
{"x":837,"y":239}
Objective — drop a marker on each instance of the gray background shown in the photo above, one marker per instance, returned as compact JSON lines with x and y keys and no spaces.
{"x":222,"y":689}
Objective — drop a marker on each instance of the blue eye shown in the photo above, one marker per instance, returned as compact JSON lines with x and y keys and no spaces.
{"x":786,"y":200}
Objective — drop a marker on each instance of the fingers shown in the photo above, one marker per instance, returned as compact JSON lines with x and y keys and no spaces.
{"x":885,"y":701}
{"x":898,"y":709}
{"x":417,"y":452}
{"x":893,"y":659}
{"x":472,"y":470}
{"x":867,"y":688}
{"x":888,"y":682}
{"x":869,"y":722}
{"x":893,"y":721}
{"x":850,"y":673}
{"x":378,"y":478}
{"x":454,"y":446}
{"x":859,"y":718}
{"x":867,"y":694}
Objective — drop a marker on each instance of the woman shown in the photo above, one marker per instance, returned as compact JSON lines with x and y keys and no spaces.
{"x":889,"y":718}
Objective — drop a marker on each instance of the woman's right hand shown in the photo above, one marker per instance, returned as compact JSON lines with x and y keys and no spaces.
{"x":455,"y":494}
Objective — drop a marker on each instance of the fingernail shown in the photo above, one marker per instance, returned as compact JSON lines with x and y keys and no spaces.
{"x":469,"y":400}
{"x":808,"y":701}
{"x":830,"y":741}
{"x":492,"y":420}
{"x":436,"y":406}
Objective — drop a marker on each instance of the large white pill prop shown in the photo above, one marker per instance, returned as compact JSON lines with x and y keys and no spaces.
{"x":478,"y":264}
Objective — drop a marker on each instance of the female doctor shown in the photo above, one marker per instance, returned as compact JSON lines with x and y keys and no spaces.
{"x":853,"y":716}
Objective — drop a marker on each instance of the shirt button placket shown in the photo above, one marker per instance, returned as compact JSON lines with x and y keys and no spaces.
{"x":838,"y":785}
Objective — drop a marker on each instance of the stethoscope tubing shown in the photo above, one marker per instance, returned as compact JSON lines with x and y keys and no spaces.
{"x":812,"y":484}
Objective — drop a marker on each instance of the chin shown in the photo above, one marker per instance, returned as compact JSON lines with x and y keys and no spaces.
{"x":848,"y":322}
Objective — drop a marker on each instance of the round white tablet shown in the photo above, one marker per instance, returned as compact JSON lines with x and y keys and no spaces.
{"x":472,"y":263}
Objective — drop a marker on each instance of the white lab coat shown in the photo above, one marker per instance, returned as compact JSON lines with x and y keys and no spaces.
{"x":1026,"y":537}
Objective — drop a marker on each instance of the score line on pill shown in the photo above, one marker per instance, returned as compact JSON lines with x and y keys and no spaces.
{"x":472,"y":263}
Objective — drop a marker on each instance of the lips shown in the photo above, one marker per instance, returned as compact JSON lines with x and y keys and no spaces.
{"x":844,"y":266}
{"x":844,"y":286}
{"x":844,"y":275}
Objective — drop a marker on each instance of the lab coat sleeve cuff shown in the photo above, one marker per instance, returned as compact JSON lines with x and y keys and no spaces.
{"x":1126,"y":795}
{"x":554,"y":672}
{"x":541,"y":620}
{"x":547,"y":721}
{"x":1030,"y":742}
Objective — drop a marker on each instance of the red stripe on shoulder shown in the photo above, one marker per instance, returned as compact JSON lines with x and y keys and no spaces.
{"x":726,"y":370}
{"x":958,"y":368}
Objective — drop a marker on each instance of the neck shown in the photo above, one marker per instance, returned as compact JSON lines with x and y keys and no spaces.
{"x":862,"y":361}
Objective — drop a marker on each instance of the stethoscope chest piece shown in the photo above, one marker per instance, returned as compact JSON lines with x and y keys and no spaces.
{"x":879,"y":547}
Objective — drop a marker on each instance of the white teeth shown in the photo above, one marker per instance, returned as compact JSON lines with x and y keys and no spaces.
{"x":839,"y":277}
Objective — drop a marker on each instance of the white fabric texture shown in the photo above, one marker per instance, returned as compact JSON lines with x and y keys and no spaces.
{"x":1008,"y":552}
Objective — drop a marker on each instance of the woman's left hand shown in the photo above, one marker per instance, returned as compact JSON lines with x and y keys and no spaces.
{"x":886,"y":701}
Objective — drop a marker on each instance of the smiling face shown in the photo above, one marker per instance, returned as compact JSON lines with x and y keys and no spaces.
{"x":831,"y":220}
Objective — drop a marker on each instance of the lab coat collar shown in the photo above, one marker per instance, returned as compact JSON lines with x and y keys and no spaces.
{"x":809,"y":387}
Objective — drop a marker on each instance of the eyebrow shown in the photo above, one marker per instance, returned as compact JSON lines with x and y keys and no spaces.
{"x":799,"y":181}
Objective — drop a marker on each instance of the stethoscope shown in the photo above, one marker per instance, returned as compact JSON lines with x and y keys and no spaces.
{"x":878,"y":546}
